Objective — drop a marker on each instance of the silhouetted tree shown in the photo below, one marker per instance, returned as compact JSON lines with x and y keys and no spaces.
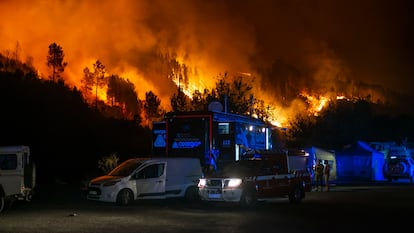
{"x":236,"y":94}
{"x":299,"y":131}
{"x":99,"y":75}
{"x":87,"y":82}
{"x":55,"y":61}
{"x":241,"y":98}
{"x":178,"y":73}
{"x":11,"y":58}
{"x":200,"y":100}
{"x":114,"y":93}
{"x":122,"y":93}
{"x":152,"y":108}
{"x":179,"y":102}
{"x":130,"y":99}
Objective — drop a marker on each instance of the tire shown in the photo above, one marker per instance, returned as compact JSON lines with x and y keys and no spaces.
{"x":248,"y":198}
{"x":124,"y":197}
{"x":2,"y":204}
{"x":5,"y":203}
{"x":296,"y":195}
{"x":191,"y":194}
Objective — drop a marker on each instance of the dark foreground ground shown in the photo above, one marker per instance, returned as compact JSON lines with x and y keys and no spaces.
{"x":346,"y":208}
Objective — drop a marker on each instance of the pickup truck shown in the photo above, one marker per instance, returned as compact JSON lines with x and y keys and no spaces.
{"x":247,"y":181}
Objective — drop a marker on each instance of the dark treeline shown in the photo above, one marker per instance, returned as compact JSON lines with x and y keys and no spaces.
{"x":66,"y":135}
{"x":344,"y":122}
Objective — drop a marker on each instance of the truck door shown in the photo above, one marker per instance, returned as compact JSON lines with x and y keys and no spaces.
{"x":151,"y":180}
{"x":280,"y":182}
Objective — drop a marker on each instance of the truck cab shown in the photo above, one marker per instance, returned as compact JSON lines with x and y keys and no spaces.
{"x":259,"y":177}
{"x":17,"y":175}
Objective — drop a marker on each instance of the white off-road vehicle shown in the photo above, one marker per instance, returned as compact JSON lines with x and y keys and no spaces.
{"x":17,"y":175}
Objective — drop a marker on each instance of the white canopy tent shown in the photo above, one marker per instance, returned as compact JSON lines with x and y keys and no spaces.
{"x":316,"y":153}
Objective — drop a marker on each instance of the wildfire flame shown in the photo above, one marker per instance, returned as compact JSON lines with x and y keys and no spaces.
{"x":316,"y":103}
{"x":129,"y":36}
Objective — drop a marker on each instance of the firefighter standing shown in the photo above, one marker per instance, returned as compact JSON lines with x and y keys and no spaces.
{"x":326,"y":171}
{"x":319,"y":175}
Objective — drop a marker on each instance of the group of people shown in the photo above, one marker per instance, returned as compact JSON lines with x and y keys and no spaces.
{"x":322,"y":175}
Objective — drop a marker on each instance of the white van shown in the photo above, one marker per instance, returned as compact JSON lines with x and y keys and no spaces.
{"x":148,"y":178}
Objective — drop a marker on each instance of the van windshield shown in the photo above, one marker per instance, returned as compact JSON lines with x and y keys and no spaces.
{"x":126,"y":168}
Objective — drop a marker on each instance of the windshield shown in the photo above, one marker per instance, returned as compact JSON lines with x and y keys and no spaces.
{"x":241,"y":168}
{"x":126,"y":168}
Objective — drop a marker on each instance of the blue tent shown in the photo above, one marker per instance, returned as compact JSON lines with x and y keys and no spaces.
{"x":359,"y":162}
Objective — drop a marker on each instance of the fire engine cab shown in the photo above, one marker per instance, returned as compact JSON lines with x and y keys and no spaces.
{"x":262,"y":176}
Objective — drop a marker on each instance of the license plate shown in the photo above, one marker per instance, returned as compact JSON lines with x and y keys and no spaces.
{"x":214,"y":195}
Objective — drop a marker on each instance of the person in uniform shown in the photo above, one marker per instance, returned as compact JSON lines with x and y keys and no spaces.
{"x":326,"y":173}
{"x":319,"y":168}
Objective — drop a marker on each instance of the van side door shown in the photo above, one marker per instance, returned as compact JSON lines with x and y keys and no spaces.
{"x":150,"y":181}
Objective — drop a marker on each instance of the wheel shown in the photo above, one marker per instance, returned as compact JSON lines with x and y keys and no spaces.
{"x":296,"y":195}
{"x":5,"y":203}
{"x":125,"y":197}
{"x":2,"y":204}
{"x":191,"y":194}
{"x":248,"y":198}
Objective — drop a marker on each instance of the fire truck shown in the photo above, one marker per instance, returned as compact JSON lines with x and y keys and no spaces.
{"x":212,"y":136}
{"x":265,"y":175}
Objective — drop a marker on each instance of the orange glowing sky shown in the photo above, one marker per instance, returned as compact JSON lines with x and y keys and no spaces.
{"x":320,"y":47}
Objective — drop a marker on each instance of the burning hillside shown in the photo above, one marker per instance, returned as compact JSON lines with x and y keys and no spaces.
{"x":298,"y":60}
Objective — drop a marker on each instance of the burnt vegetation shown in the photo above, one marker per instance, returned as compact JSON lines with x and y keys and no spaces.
{"x":69,"y":129}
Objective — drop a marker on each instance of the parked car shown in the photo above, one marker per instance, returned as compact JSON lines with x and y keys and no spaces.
{"x":148,"y":178}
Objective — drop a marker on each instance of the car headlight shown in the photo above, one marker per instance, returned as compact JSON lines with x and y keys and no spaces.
{"x":234,"y":183}
{"x":110,"y":183}
{"x":202,"y":183}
